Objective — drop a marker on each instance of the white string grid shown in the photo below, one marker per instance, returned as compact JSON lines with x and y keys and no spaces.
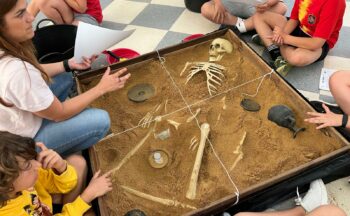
{"x":188,"y":107}
{"x":162,"y":62}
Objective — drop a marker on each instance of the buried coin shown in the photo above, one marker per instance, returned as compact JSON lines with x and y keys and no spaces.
{"x":158,"y":159}
{"x":141,"y":92}
{"x":250,"y":105}
{"x":135,"y":212}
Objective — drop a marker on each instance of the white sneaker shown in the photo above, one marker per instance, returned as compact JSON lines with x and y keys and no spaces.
{"x":315,"y":197}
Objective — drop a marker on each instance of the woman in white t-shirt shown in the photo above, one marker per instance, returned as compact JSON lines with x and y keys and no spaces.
{"x":32,"y":96}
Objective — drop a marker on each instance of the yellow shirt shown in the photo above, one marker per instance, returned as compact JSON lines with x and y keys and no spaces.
{"x":38,"y":201}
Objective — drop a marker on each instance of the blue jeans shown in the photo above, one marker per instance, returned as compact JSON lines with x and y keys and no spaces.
{"x":77,"y":133}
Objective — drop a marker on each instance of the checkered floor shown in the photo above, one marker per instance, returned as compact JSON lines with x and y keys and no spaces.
{"x":160,"y":23}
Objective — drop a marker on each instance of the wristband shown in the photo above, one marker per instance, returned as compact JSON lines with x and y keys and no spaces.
{"x":66,"y":66}
{"x":344,"y":120}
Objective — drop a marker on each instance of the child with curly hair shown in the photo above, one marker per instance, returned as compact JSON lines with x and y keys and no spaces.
{"x":28,"y":178}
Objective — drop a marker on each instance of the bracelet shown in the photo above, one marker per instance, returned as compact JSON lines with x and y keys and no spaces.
{"x":66,"y":66}
{"x":344,"y":120}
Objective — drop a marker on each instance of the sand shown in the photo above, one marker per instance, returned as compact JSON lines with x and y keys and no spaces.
{"x":267,"y":151}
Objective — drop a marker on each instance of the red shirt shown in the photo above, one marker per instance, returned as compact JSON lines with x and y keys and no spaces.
{"x":94,"y":9}
{"x":320,"y":18}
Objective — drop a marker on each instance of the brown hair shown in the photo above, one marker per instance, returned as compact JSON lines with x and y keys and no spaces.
{"x":24,"y":50}
{"x":11,"y":147}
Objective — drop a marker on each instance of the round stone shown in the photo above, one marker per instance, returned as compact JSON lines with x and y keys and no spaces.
{"x":250,"y":105}
{"x":141,"y":92}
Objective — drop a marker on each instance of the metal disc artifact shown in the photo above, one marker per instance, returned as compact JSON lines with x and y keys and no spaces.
{"x":141,"y":92}
{"x":250,"y":105}
{"x":135,"y":212}
{"x":284,"y":117}
{"x":158,"y":159}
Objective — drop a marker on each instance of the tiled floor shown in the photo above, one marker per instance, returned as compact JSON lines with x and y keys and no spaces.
{"x":160,"y":23}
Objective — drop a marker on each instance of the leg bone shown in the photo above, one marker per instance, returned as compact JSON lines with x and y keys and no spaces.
{"x":191,"y":192}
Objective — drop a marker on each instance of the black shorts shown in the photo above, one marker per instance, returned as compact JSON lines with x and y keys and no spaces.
{"x":297,"y":32}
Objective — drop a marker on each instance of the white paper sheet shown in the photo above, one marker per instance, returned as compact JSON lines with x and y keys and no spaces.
{"x":250,"y":2}
{"x":92,"y":40}
{"x":324,"y":79}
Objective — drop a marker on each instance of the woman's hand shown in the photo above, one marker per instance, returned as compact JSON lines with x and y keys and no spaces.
{"x":50,"y":159}
{"x":111,"y":82}
{"x":98,"y":186}
{"x":86,"y":64}
{"x":325,"y":119}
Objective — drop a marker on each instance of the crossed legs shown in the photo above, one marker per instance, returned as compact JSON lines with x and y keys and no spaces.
{"x":57,"y":10}
{"x":208,"y":11}
{"x":265,"y":23}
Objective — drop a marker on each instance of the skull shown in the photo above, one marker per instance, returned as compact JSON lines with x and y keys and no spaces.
{"x":218,"y":48}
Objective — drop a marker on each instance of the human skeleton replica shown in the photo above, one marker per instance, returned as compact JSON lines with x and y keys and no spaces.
{"x":214,"y":72}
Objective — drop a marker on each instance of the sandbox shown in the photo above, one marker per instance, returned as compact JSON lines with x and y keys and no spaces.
{"x":155,"y":144}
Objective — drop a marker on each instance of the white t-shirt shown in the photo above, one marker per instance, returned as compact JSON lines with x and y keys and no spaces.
{"x":22,"y":85}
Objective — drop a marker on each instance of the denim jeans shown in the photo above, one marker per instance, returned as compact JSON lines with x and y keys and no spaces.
{"x":77,"y":133}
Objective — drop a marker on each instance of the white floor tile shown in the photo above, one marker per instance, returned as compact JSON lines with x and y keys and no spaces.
{"x":175,"y":3}
{"x":143,"y":40}
{"x":338,"y":192}
{"x":335,"y":62}
{"x":346,"y":19}
{"x":309,"y":95}
{"x":193,"y":23}
{"x":325,"y":92}
{"x":121,"y":11}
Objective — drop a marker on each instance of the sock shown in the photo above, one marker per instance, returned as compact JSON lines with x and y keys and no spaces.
{"x":274,"y":51}
{"x":240,"y":25}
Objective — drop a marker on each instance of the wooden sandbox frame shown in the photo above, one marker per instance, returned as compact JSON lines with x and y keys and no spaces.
{"x":221,"y":204}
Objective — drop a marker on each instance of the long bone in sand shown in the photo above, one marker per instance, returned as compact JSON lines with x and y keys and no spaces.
{"x":191,"y":192}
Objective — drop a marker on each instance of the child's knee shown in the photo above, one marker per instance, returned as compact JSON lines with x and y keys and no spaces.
{"x":104,"y":120}
{"x":78,"y":162}
{"x":258,"y":17}
{"x":280,"y":8}
{"x":296,"y":60}
{"x":207,"y":11}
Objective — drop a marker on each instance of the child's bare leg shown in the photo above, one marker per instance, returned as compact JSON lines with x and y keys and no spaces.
{"x":57,"y":10}
{"x":297,"y":211}
{"x":327,"y":210}
{"x":264,"y":24}
{"x":79,"y":163}
{"x":339,"y":84}
{"x":280,"y":8}
{"x":299,"y":56}
{"x":208,"y":11}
